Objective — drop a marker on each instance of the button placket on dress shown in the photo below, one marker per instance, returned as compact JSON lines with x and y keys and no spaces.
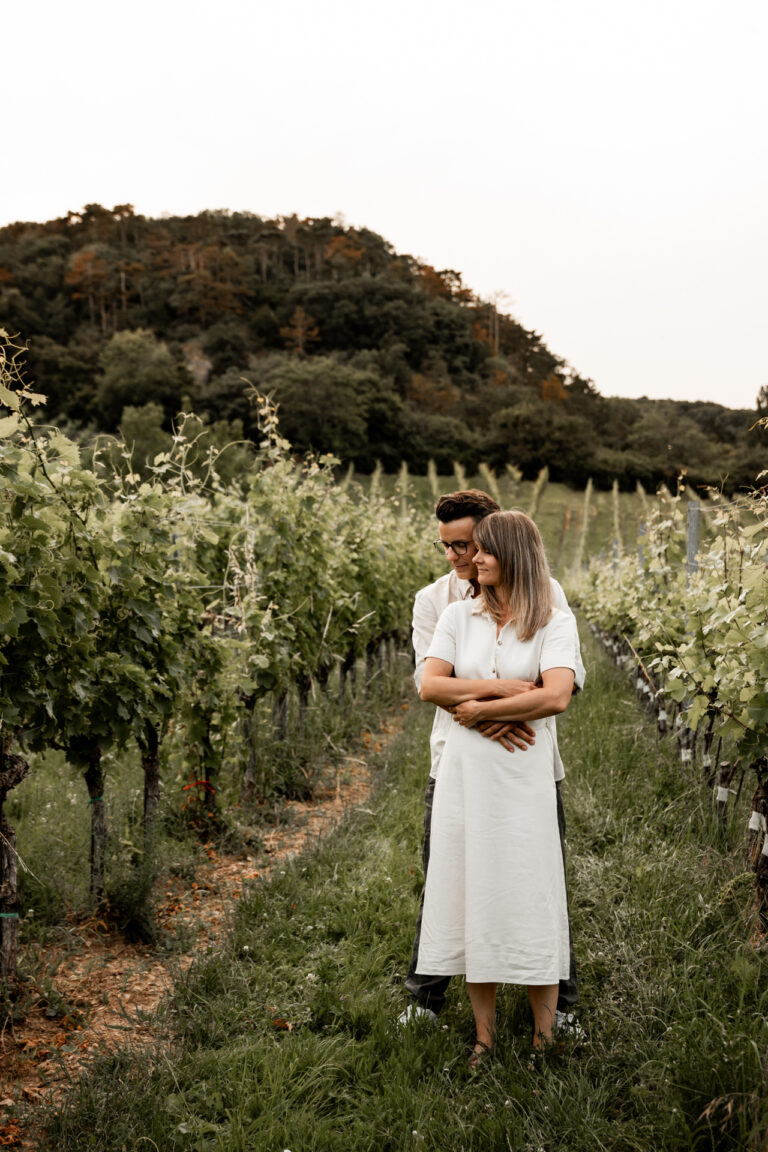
{"x":499,"y":643}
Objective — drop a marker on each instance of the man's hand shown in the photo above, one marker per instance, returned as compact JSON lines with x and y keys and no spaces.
{"x":510,"y":734}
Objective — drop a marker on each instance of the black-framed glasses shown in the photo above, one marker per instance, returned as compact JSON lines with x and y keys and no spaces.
{"x":458,"y":546}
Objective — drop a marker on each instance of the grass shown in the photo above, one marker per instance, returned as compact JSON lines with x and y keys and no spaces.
{"x":285,"y":1040}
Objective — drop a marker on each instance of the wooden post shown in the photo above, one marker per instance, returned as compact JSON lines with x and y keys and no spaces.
{"x":370,"y":665}
{"x":347,"y":674}
{"x":248,"y":726}
{"x":280,"y":713}
{"x":758,"y":816}
{"x":13,"y":769}
{"x":694,"y":509}
{"x":762,"y":885}
{"x":759,"y":836}
{"x":706,"y":760}
{"x":640,"y":547}
{"x":617,"y":541}
{"x":94,"y":780}
{"x":304,"y":687}
{"x":724,"y":777}
{"x":149,"y":744}
{"x":579,"y":561}
{"x":404,"y":485}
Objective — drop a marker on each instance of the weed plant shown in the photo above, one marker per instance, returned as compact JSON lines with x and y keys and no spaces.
{"x":286,"y":1037}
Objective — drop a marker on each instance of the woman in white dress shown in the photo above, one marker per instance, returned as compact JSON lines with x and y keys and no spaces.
{"x":495,"y":902}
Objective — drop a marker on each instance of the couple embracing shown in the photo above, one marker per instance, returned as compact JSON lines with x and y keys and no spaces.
{"x":498,"y":652}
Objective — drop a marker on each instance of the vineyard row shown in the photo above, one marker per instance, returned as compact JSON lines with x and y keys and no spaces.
{"x":691,"y":627}
{"x":130,"y":607}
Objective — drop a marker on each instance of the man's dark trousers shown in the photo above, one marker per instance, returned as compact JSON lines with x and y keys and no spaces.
{"x":430,"y":991}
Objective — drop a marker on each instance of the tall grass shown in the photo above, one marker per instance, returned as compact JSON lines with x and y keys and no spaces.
{"x":285,"y":1039}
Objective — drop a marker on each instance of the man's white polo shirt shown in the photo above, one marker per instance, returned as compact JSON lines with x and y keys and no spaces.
{"x":429,"y":603}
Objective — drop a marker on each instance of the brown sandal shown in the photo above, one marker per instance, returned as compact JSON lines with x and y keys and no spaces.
{"x":545,"y":1052}
{"x":480,"y":1056}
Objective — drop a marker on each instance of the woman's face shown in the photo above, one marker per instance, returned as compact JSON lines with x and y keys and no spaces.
{"x":488,"y":570}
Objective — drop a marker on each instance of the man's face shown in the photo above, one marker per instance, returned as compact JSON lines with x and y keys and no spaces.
{"x":460,"y":532}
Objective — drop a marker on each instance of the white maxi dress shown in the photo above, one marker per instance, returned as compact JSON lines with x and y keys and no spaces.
{"x":495,"y":902}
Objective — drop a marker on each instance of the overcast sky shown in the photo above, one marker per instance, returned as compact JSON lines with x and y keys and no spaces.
{"x":603,"y":165}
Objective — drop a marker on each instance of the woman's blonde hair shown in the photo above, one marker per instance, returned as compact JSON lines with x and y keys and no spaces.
{"x":524,"y":590}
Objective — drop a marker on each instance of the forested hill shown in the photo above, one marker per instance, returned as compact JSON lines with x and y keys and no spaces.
{"x":372,"y":354}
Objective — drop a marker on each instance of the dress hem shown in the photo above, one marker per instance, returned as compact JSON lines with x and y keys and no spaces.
{"x":488,"y":976}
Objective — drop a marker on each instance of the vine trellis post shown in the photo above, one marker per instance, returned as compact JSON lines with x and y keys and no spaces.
{"x":13,"y":769}
{"x":692,"y":551}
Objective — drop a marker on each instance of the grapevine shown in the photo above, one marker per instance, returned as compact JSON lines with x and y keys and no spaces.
{"x":130,"y":606}
{"x":696,"y":629}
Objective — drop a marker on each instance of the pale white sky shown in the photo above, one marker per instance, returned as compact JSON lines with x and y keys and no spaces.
{"x":603,"y":164}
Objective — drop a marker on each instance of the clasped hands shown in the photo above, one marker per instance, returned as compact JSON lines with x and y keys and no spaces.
{"x":511,"y":734}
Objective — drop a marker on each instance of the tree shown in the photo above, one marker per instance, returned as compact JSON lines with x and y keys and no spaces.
{"x":301,"y":331}
{"x":142,"y":430}
{"x":136,"y":368}
{"x":92,"y":274}
{"x":323,"y":404}
{"x":534,"y":434}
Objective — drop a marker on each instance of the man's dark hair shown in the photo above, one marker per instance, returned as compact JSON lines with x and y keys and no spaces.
{"x":457,"y":505}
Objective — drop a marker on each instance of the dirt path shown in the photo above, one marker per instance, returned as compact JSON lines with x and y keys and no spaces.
{"x":96,"y":992}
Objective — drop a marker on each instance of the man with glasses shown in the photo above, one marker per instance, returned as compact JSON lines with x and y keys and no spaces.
{"x":457,"y":513}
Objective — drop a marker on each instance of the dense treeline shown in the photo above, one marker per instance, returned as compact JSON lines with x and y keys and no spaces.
{"x":371,"y":354}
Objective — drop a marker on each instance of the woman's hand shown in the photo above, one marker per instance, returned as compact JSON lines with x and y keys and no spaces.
{"x":468,"y":713}
{"x":515,"y":687}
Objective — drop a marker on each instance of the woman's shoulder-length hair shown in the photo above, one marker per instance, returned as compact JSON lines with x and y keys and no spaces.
{"x":525,"y":586}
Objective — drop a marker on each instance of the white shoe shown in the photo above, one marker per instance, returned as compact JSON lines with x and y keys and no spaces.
{"x":416,"y":1012}
{"x":568,"y":1027}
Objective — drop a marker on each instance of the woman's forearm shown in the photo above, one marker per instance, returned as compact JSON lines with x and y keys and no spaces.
{"x":533,"y":705}
{"x":448,"y":690}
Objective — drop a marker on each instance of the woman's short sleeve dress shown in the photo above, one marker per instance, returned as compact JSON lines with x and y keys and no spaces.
{"x":494,"y":901}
